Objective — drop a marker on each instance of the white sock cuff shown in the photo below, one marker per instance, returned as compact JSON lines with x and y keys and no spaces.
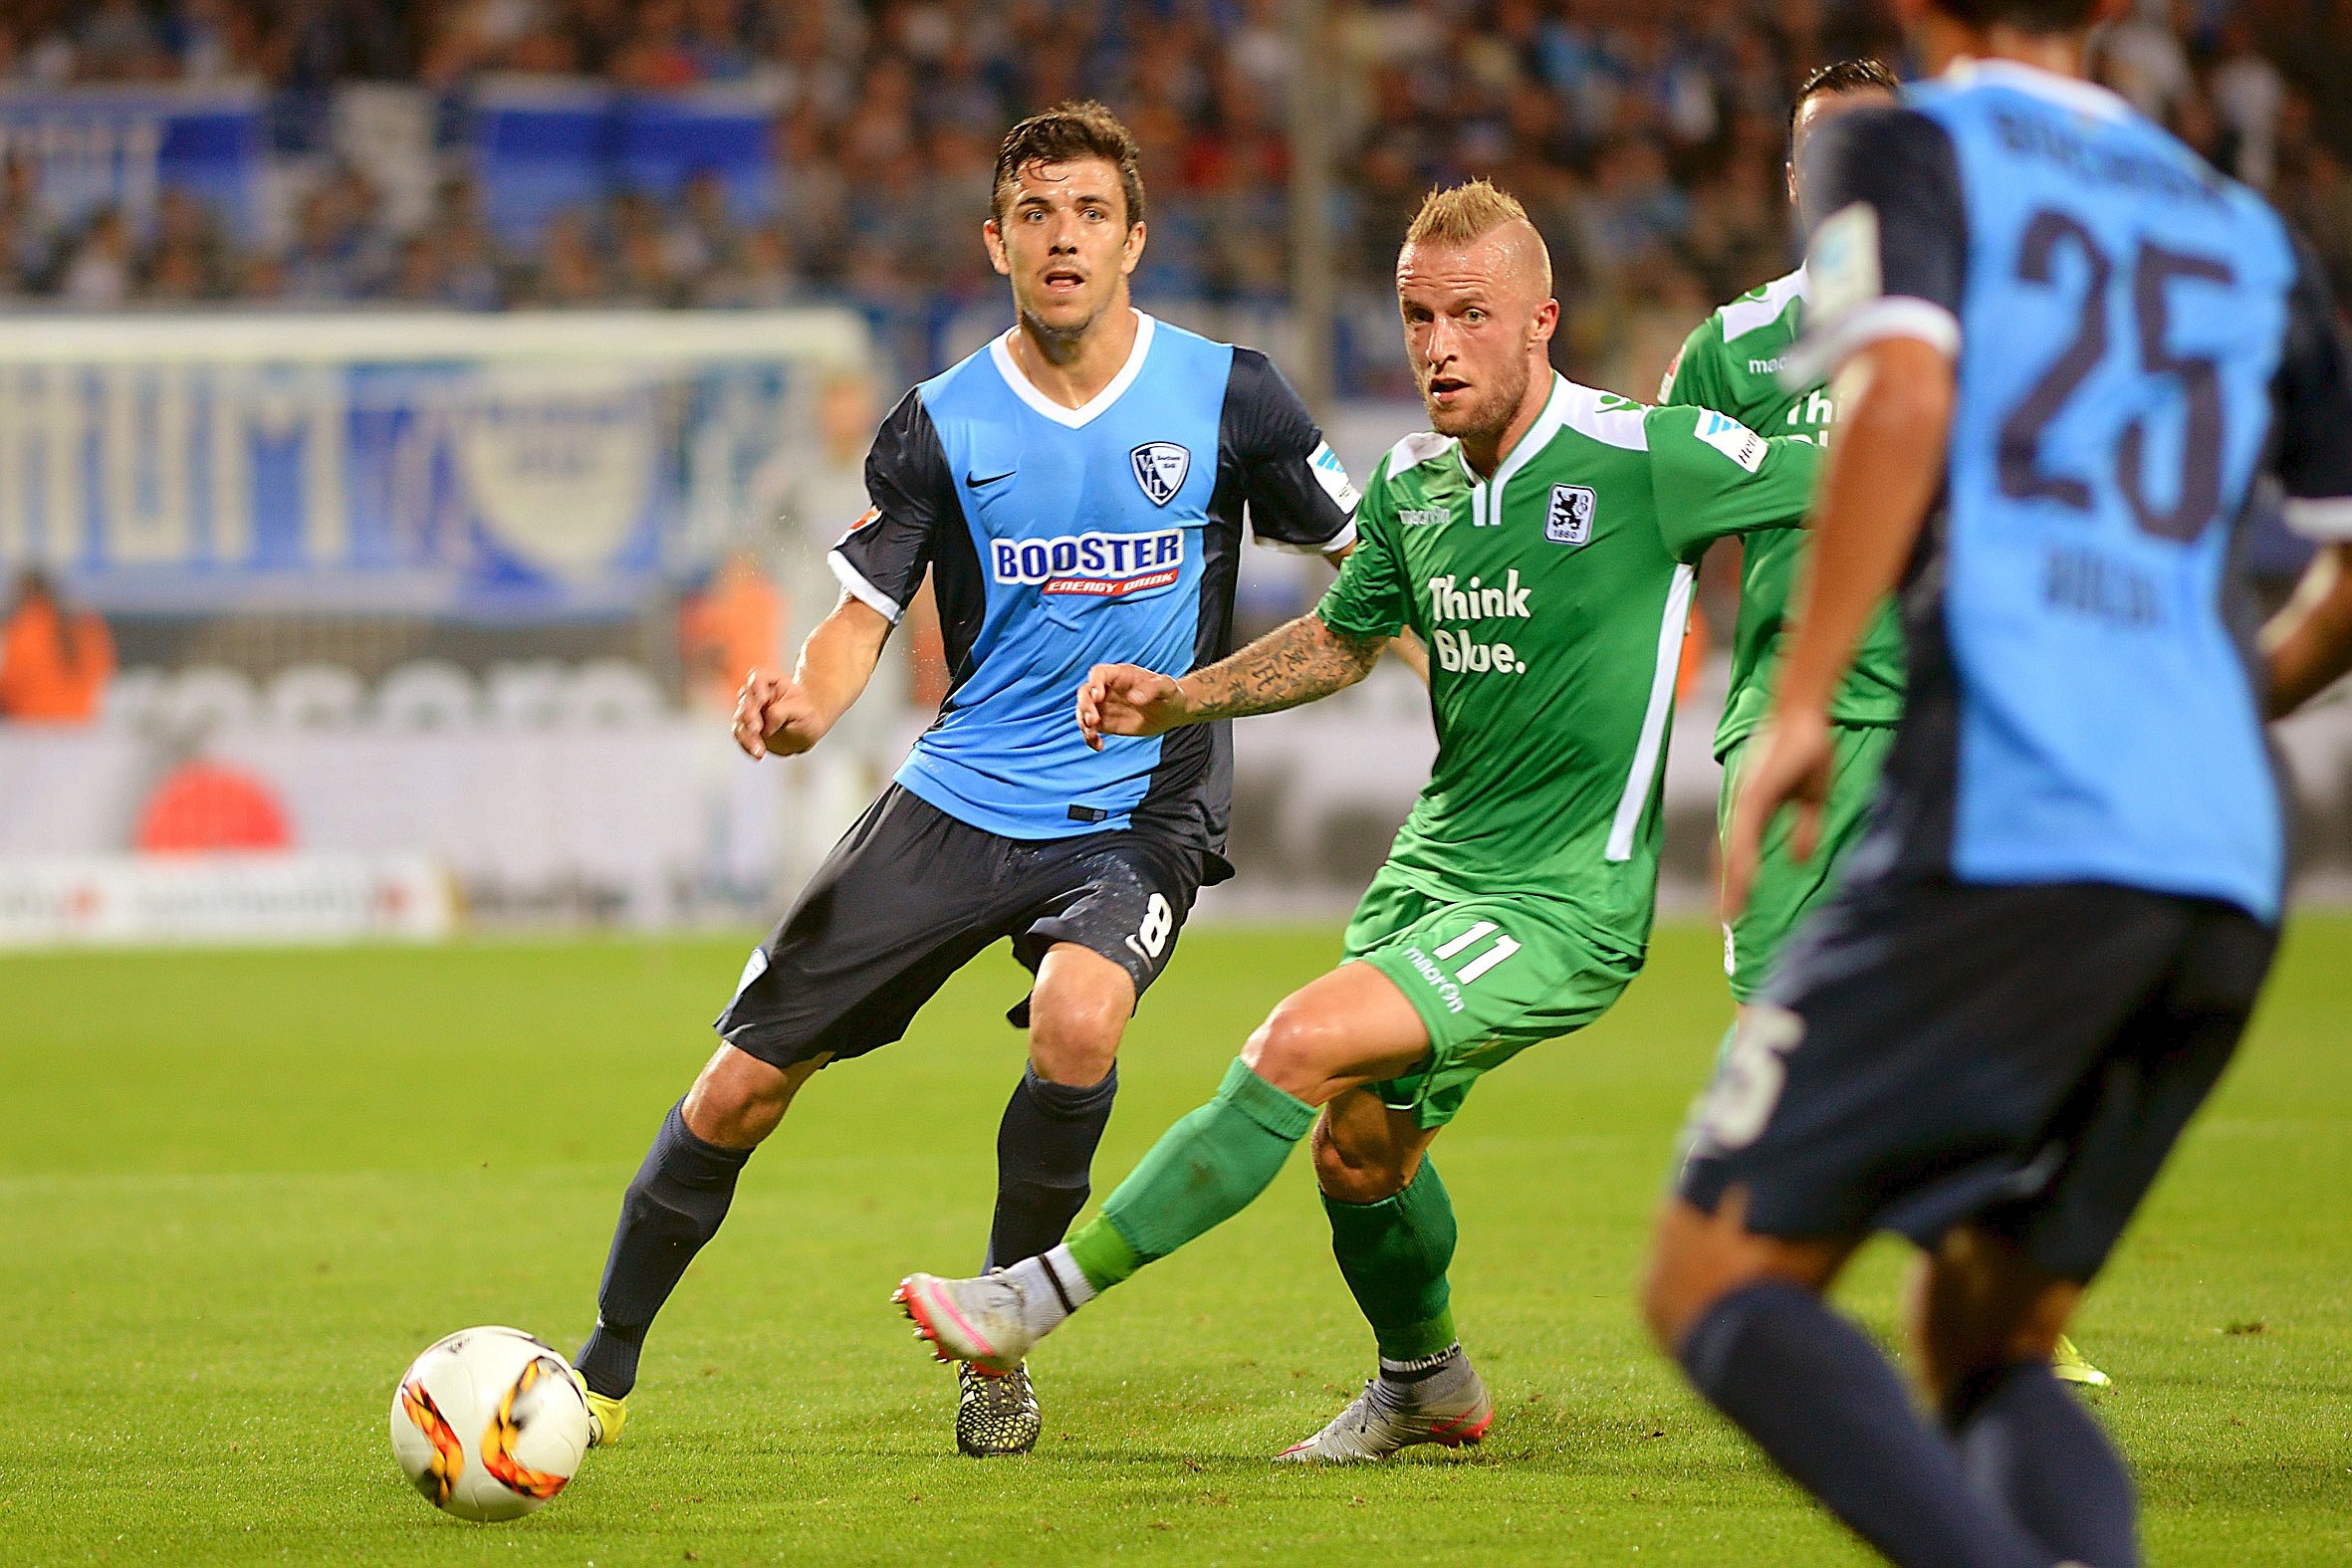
{"x":1063,"y":1272}
{"x":1424,"y":1363}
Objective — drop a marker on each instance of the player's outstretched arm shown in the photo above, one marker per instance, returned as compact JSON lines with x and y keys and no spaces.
{"x":2309,"y":643}
{"x":787,"y":716}
{"x":1879,"y":478}
{"x":1292,"y":664}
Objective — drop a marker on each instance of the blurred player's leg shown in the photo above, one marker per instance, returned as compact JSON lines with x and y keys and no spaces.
{"x":1743,"y":1315}
{"x":1985,"y":1320}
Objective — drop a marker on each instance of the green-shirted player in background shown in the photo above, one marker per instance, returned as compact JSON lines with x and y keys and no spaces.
{"x":1539,"y":543}
{"x":1731,"y":364}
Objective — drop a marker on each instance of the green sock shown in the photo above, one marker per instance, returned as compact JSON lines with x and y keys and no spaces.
{"x":1394,"y":1255}
{"x":1204,"y":1170}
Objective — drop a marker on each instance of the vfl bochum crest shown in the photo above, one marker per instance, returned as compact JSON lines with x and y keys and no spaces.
{"x":1569,"y":522}
{"x":1161,"y":467}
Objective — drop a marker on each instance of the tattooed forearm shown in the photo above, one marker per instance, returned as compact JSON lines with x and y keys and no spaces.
{"x":1292,"y":664}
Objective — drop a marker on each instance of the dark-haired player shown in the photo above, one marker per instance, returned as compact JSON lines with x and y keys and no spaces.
{"x":1075,"y":491}
{"x":1731,"y":363}
{"x":2068,"y":353}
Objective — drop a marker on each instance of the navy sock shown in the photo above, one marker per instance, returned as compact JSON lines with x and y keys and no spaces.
{"x":671,"y":1208}
{"x":2027,"y":1441}
{"x":1818,"y":1398}
{"x":1044,"y":1152}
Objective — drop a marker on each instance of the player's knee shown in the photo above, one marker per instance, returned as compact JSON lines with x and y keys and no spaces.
{"x":738,"y":1099}
{"x":1075,"y":1039}
{"x":1293,"y":1050}
{"x":1694,"y":1262}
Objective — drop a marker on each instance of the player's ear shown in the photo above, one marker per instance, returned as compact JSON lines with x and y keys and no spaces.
{"x":1544,"y":322}
{"x":1132,"y":251}
{"x":994,"y":240}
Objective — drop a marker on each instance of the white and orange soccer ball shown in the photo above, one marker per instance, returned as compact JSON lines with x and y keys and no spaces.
{"x":489,"y":1424}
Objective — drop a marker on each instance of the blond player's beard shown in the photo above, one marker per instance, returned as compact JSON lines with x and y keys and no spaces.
{"x":1491,"y":416}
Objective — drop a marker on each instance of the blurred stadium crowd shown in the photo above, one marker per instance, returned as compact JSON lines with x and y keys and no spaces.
{"x":1647,"y":135}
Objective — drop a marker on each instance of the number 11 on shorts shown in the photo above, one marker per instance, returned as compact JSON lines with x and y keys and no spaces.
{"x":1504,"y":947}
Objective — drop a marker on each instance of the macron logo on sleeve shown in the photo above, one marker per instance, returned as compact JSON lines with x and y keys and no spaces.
{"x":1102,"y":566}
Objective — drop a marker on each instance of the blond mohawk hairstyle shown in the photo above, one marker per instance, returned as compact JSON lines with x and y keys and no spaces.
{"x":1462,"y":214}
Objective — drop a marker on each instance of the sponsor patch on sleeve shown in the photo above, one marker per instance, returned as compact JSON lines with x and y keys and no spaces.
{"x":1841,"y":266}
{"x":1732,"y":439}
{"x":1332,"y":476}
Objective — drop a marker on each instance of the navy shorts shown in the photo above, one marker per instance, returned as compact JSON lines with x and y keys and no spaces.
{"x":1931,"y":1054}
{"x":912,"y":895}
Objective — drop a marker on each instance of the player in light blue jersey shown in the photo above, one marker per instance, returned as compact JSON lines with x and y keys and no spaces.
{"x":1074,"y":493}
{"x":2068,"y":353}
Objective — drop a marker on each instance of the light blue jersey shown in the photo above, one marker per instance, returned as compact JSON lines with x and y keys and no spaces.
{"x":1059,"y":538}
{"x":2128,"y":326}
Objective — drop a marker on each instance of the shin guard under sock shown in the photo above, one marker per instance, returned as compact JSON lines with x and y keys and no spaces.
{"x":1204,"y":1170}
{"x":1044,"y":1150}
{"x":1393,"y":1254}
{"x":671,"y":1208}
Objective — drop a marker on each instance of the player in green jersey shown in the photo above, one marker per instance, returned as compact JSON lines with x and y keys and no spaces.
{"x":1731,"y":364}
{"x":1539,"y":543}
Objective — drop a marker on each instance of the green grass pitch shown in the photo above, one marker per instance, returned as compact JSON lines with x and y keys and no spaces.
{"x":238,"y":1191}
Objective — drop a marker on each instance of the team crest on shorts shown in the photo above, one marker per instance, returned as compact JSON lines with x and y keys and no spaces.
{"x":1161,"y":467}
{"x":1569,"y":522}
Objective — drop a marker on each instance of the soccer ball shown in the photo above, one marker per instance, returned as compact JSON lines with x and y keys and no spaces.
{"x":489,"y":1424}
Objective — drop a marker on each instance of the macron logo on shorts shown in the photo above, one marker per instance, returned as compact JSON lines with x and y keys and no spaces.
{"x":1105,"y":566}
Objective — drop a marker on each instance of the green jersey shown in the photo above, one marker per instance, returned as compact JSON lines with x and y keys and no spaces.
{"x":1551,"y":600}
{"x":1731,"y":363}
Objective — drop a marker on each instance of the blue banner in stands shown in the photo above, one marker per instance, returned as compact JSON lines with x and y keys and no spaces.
{"x":544,"y":146}
{"x":477,"y":490}
{"x":123,"y":147}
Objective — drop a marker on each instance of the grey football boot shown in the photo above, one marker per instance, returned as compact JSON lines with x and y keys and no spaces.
{"x":1447,"y":1405}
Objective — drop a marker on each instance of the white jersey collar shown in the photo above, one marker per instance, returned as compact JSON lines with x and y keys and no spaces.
{"x":1000,"y":351}
{"x":1486,"y":495}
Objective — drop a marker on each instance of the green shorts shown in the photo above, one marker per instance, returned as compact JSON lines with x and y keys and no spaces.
{"x":1489,"y":977}
{"x":1786,"y":887}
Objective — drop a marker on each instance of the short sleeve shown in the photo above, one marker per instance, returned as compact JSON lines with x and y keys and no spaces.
{"x":2313,"y":395}
{"x":1887,"y":250}
{"x":881,"y":559}
{"x":1298,"y":494}
{"x":1711,"y":476}
{"x":1369,"y":597}
{"x":1690,"y":379}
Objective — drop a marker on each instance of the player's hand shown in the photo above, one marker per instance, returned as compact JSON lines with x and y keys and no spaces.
{"x":775,"y":713}
{"x":1124,"y":699}
{"x":1793,"y":754}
